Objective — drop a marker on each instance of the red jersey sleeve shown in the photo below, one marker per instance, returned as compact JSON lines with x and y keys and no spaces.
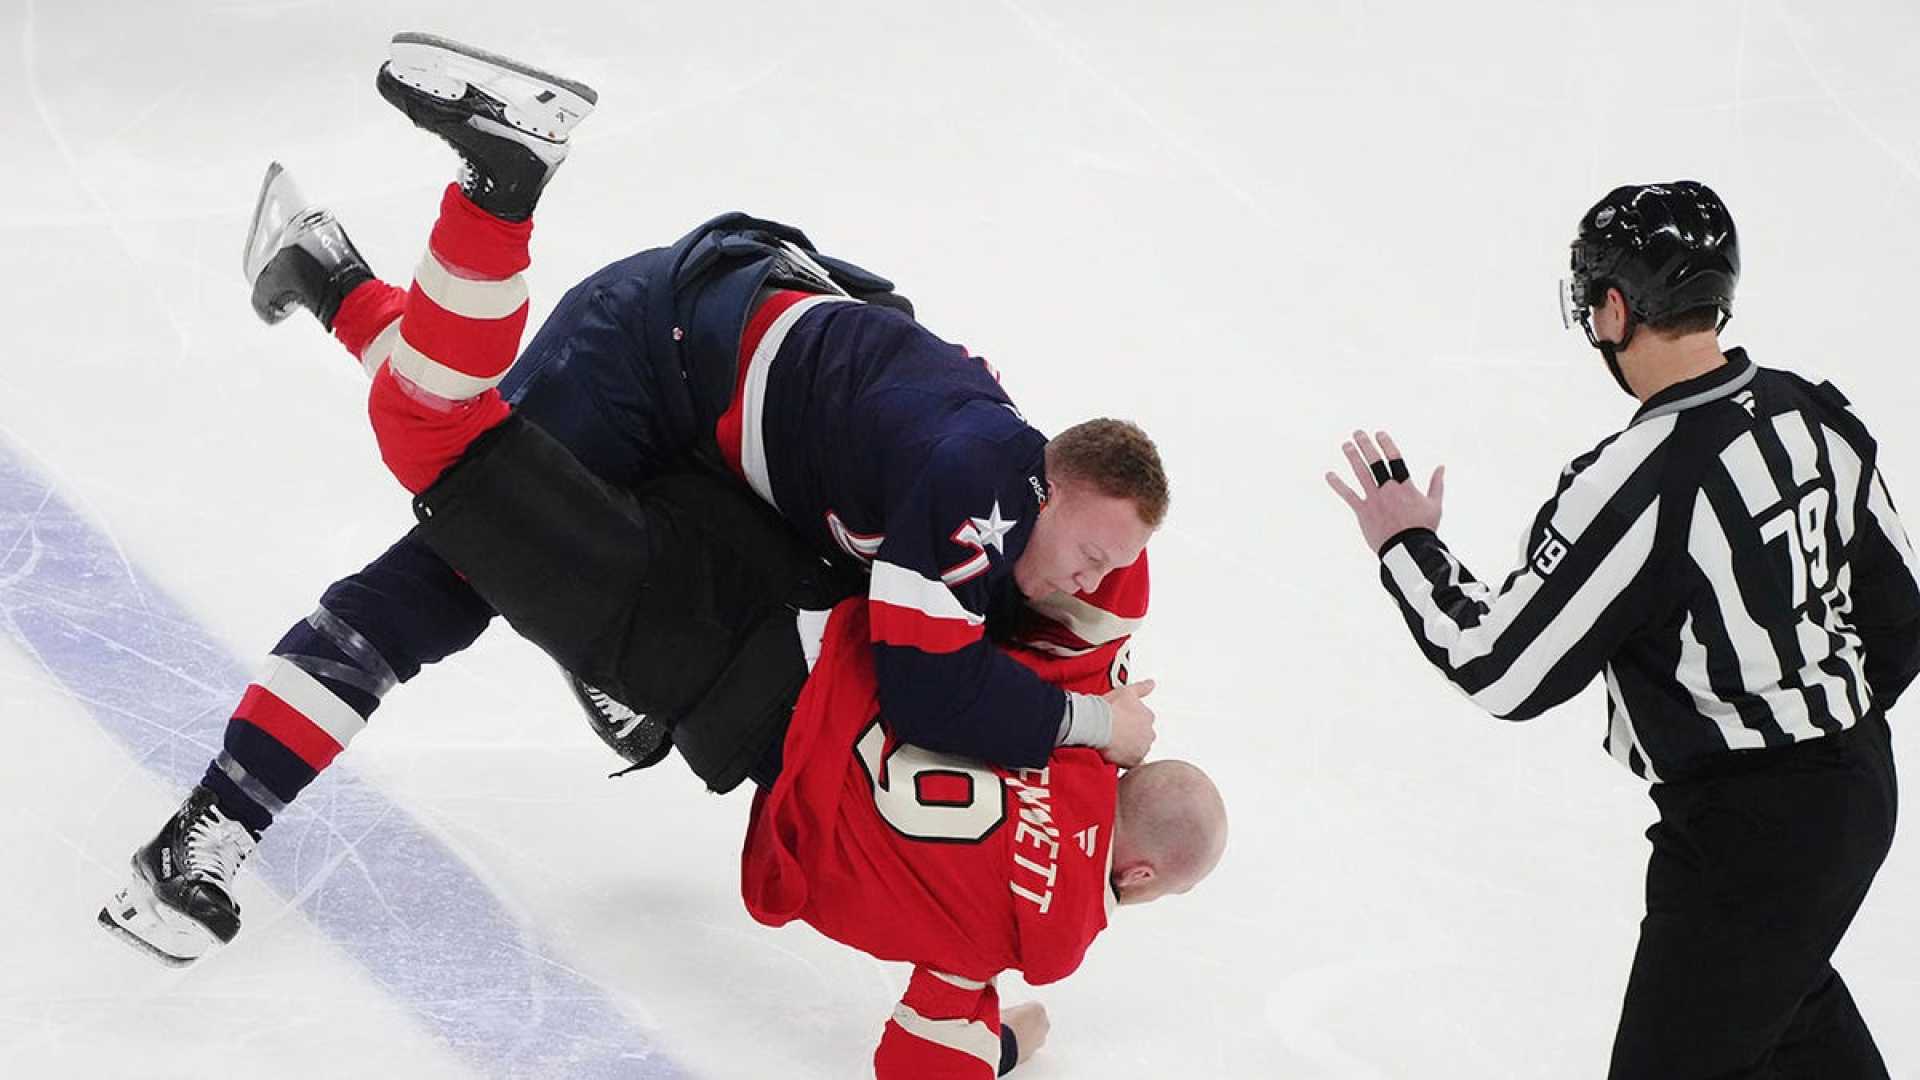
{"x":945,"y":1028}
{"x":1084,"y":642}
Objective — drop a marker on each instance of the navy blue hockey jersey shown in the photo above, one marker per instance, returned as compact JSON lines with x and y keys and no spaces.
{"x":882,"y":443}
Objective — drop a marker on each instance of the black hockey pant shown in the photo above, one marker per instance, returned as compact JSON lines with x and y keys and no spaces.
{"x":1754,"y":878}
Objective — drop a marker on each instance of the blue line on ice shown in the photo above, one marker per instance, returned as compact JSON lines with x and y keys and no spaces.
{"x":373,"y":880}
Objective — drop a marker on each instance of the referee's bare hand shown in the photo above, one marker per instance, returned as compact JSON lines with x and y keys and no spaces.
{"x":1391,"y":505}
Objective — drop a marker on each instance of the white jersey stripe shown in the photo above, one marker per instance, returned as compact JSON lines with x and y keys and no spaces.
{"x":1816,"y":646}
{"x":901,"y":587}
{"x":1087,"y":622}
{"x":1798,"y":440}
{"x":812,"y":628}
{"x":1847,"y":478}
{"x":968,"y":570}
{"x":1880,"y":505}
{"x":753,"y":395}
{"x":1575,"y":618}
{"x":1691,"y":672}
{"x":971,"y":1037}
{"x":1750,"y":474}
{"x":1623,"y":740}
{"x":1846,"y":483}
{"x":1759,"y":665}
{"x":1463,"y":645}
{"x":311,"y":699}
{"x":960,"y":981}
{"x":1574,"y":512}
{"x":1439,"y":628}
{"x":1065,"y":652}
{"x":1599,"y":483}
{"x":1852,"y":650}
{"x":470,"y":298}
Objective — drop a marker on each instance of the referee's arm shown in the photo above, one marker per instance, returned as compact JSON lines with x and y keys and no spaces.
{"x":1587,"y":585}
{"x":1886,"y":596}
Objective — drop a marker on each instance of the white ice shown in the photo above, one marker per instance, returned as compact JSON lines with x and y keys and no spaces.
{"x":1251,"y":226}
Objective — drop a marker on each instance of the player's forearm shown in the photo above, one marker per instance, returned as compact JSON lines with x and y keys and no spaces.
{"x":977,"y":702}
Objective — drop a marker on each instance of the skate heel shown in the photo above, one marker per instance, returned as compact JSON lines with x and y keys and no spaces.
{"x":534,"y":102}
{"x":136,"y":916}
{"x":297,"y":255}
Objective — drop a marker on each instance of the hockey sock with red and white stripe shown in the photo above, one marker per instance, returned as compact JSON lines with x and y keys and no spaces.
{"x":316,"y":692}
{"x":437,"y":352}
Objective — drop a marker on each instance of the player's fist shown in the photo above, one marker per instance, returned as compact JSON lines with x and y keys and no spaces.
{"x":1030,"y":1026}
{"x":1132,"y":725}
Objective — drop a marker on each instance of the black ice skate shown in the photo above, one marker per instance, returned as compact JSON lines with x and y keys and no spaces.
{"x":641,"y":739}
{"x":509,"y":122}
{"x":297,"y":254}
{"x":180,"y":902}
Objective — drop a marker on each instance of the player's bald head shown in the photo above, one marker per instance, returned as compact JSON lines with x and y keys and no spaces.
{"x":1169,"y":833}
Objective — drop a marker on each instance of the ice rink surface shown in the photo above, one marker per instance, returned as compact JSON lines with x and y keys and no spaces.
{"x":1250,"y":226}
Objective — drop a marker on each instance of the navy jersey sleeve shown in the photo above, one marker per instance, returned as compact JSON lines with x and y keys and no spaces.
{"x":943,"y":685}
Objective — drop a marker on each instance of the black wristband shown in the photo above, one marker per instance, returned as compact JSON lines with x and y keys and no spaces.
{"x":1009,"y":1050}
{"x":1403,"y":536}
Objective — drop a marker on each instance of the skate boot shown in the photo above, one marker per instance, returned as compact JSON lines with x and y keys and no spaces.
{"x":509,"y":122}
{"x":641,"y":739}
{"x":297,"y":254}
{"x":180,"y":902}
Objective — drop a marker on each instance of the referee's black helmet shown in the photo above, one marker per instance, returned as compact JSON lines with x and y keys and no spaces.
{"x":1669,"y":248}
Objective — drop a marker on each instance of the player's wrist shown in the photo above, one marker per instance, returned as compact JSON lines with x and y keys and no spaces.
{"x":1088,"y":722}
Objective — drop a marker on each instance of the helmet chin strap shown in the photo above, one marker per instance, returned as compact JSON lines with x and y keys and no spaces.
{"x":1611,"y":351}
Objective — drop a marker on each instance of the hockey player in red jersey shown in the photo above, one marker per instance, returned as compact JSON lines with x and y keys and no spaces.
{"x":741,"y":347}
{"x":675,"y":595}
{"x":962,"y":869}
{"x":679,"y":598}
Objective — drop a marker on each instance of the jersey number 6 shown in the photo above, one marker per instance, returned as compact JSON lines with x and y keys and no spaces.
{"x":929,"y":796}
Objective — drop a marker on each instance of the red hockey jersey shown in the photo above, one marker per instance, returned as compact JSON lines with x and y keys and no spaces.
{"x":958,"y":868}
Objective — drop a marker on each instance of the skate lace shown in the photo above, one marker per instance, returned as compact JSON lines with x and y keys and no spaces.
{"x":473,"y":182}
{"x":216,"y":846}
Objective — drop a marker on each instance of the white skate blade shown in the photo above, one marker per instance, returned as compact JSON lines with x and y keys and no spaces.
{"x":137,"y":917}
{"x":279,"y":203}
{"x":540,"y":104}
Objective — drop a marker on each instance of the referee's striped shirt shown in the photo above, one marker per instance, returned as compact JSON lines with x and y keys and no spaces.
{"x":1731,"y":564}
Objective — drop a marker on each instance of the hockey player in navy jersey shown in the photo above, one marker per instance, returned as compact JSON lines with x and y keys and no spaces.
{"x":740,"y":345}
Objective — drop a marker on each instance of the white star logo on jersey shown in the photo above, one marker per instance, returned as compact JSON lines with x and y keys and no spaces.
{"x":987,"y":532}
{"x":1088,"y":839}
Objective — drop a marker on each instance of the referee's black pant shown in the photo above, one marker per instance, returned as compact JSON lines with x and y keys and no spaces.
{"x":1756,"y":872}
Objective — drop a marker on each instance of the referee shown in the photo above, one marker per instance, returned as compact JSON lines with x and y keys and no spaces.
{"x":1731,"y":565}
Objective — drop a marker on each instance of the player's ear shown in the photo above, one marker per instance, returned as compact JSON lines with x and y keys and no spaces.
{"x":1135,"y":876}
